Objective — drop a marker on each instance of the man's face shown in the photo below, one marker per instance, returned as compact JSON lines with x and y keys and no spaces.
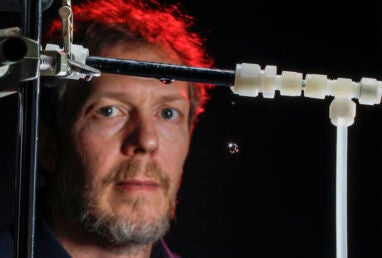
{"x":123,"y":155}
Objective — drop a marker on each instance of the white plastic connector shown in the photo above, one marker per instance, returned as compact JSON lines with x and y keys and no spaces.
{"x":370,"y":92}
{"x":316,"y":86}
{"x":291,"y":83}
{"x":342,"y":111}
{"x":247,"y":80}
{"x":250,"y":80}
{"x":269,"y":81}
{"x":343,"y":88}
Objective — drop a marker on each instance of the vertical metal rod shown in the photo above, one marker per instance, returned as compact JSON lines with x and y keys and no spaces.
{"x":26,"y":177}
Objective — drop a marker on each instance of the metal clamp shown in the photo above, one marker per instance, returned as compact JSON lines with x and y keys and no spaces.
{"x":19,"y":59}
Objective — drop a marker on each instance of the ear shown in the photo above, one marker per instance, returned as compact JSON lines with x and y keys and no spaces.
{"x":47,"y":148}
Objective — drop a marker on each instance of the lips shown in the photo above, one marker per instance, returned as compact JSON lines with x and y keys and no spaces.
{"x":138,"y":185}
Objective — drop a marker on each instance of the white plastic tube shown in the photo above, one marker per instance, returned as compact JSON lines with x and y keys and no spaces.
{"x":341,"y":189}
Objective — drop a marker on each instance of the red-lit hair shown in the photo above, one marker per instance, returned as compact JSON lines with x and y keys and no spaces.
{"x":101,"y":23}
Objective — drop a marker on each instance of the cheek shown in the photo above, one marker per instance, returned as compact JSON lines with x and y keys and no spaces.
{"x":95,"y":151}
{"x":174,"y":143}
{"x":173,"y":149}
{"x":177,"y":133}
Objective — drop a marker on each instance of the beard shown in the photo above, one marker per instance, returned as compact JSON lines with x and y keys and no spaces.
{"x":123,"y":229}
{"x":120,"y":231}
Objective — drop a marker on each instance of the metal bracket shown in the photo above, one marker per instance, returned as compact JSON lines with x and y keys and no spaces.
{"x":19,"y":59}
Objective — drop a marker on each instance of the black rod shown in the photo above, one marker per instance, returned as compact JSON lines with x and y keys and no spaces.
{"x":26,"y":176}
{"x":162,"y":71}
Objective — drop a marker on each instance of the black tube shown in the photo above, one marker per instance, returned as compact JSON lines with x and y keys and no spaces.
{"x":162,"y":71}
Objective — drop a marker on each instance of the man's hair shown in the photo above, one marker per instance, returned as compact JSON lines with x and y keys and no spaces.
{"x":102,"y":23}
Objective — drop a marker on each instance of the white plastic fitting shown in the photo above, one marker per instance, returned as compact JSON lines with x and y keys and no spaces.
{"x":269,"y":81}
{"x":316,"y":86}
{"x":342,"y":111}
{"x":247,"y":80}
{"x":250,"y":80}
{"x":291,"y":83}
{"x":343,"y":88}
{"x":370,"y":92}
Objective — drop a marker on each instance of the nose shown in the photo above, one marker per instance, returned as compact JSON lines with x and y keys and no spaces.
{"x":142,"y":138}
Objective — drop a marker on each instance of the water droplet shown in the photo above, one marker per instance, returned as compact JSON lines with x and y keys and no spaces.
{"x":166,"y":81}
{"x":233,"y":148}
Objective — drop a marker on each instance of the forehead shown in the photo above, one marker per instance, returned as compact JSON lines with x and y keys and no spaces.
{"x":132,"y":86}
{"x":143,"y":52}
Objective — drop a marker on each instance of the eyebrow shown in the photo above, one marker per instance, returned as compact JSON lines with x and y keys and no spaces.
{"x":174,"y":97}
{"x":125,"y":97}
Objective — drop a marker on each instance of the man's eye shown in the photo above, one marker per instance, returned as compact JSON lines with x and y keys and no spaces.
{"x":109,"y":111}
{"x":169,"y":113}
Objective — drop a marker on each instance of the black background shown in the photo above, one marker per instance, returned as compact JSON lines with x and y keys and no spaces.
{"x":276,"y":196}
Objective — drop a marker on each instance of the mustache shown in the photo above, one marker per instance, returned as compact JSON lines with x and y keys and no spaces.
{"x":131,"y":168}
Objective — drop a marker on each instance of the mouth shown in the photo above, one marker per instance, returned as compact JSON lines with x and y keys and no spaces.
{"x":138,"y":185}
